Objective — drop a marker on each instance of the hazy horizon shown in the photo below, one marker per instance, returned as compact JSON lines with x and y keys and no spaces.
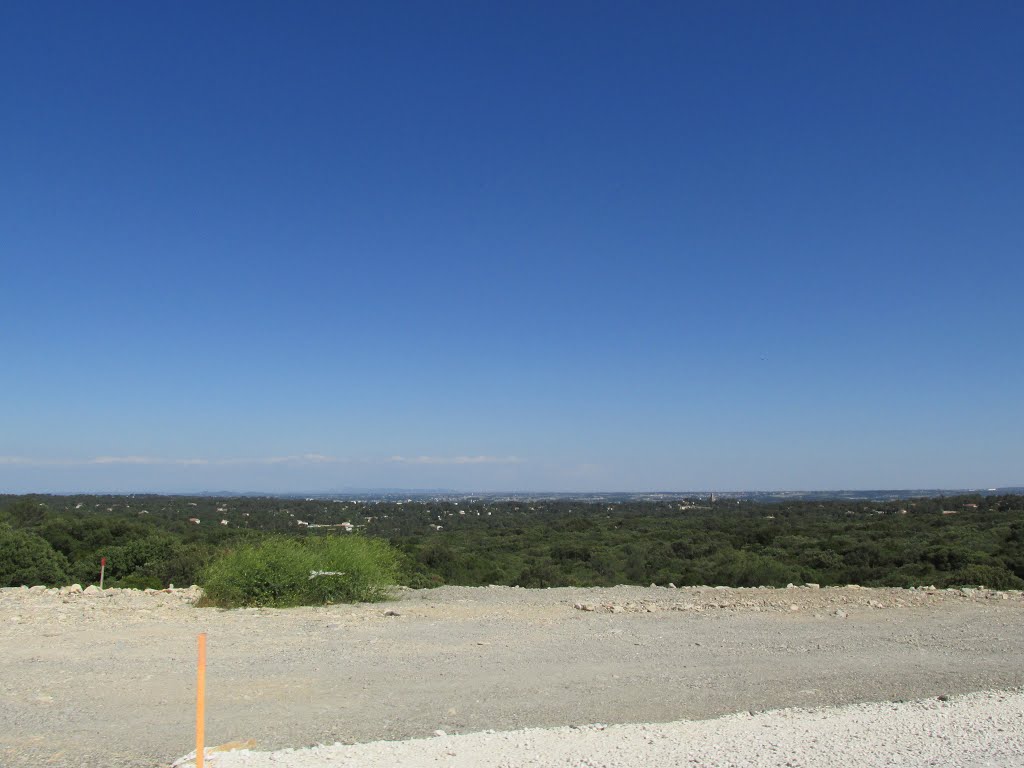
{"x":420,"y":490}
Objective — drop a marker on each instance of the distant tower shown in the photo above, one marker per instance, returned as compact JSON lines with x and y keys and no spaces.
{"x":712,"y":497}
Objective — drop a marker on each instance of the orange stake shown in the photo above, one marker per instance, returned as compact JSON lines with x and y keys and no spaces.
{"x":201,"y":701}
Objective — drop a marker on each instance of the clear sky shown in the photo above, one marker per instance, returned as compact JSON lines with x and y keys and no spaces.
{"x":511,"y":246}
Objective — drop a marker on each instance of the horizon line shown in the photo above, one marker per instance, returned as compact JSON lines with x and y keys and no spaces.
{"x":505,"y":492}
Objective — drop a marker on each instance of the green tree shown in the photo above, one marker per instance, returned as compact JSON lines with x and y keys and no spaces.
{"x":24,"y":513}
{"x":27,"y":559}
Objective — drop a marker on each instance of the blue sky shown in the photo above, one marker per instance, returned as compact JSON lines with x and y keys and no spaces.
{"x":529,"y":246}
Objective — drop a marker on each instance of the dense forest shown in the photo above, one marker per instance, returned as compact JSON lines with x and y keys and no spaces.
{"x":154,"y":541}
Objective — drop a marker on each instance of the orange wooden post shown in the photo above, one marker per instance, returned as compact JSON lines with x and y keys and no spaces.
{"x":201,"y":701}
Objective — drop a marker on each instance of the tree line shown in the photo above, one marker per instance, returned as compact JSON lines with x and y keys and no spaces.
{"x":154,"y":541}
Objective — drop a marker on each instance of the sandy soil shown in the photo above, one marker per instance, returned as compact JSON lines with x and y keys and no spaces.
{"x":108,"y":679}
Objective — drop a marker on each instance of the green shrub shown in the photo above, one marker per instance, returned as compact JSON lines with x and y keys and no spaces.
{"x":366,"y":569}
{"x":540,"y":574}
{"x":135,"y":581}
{"x":274,"y":572}
{"x":740,"y":568}
{"x":282,"y":572}
{"x":124,"y":560}
{"x":182,"y":565}
{"x":991,"y":576}
{"x":27,"y":559}
{"x":156,"y":561}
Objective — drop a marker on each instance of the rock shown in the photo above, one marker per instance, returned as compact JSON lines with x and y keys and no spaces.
{"x":812,"y":585}
{"x":794,"y":607}
{"x":391,"y":612}
{"x":671,"y":585}
{"x":92,"y":589}
{"x":15,"y":619}
{"x":943,"y":697}
{"x":618,"y":609}
{"x":840,"y":614}
{"x":439,"y":732}
{"x":791,"y":586}
{"x":583,"y":606}
{"x":653,"y":585}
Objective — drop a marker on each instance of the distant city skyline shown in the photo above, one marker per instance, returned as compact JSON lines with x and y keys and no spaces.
{"x":541,"y":247}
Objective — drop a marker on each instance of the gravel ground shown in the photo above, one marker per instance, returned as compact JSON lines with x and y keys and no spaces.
{"x":982,"y":729}
{"x":107,"y":679}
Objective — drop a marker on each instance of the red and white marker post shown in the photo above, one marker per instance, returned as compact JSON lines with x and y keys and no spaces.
{"x":103,"y":567}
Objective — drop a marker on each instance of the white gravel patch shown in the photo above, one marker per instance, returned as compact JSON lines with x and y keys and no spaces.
{"x":976,"y":730}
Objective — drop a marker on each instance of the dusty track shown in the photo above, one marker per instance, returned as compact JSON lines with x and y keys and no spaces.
{"x":108,"y":680}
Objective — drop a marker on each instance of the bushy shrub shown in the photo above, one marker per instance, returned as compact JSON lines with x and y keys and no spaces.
{"x":740,"y":568}
{"x":541,"y":574}
{"x":124,"y":560}
{"x":352,"y":569}
{"x":282,"y":572}
{"x":154,"y":561}
{"x":273,"y":572}
{"x":136,"y":581}
{"x":991,"y":576}
{"x":27,"y":559}
{"x":912,"y":575}
{"x":182,"y":565}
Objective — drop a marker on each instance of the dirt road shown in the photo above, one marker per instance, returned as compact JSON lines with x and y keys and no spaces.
{"x":107,"y":680}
